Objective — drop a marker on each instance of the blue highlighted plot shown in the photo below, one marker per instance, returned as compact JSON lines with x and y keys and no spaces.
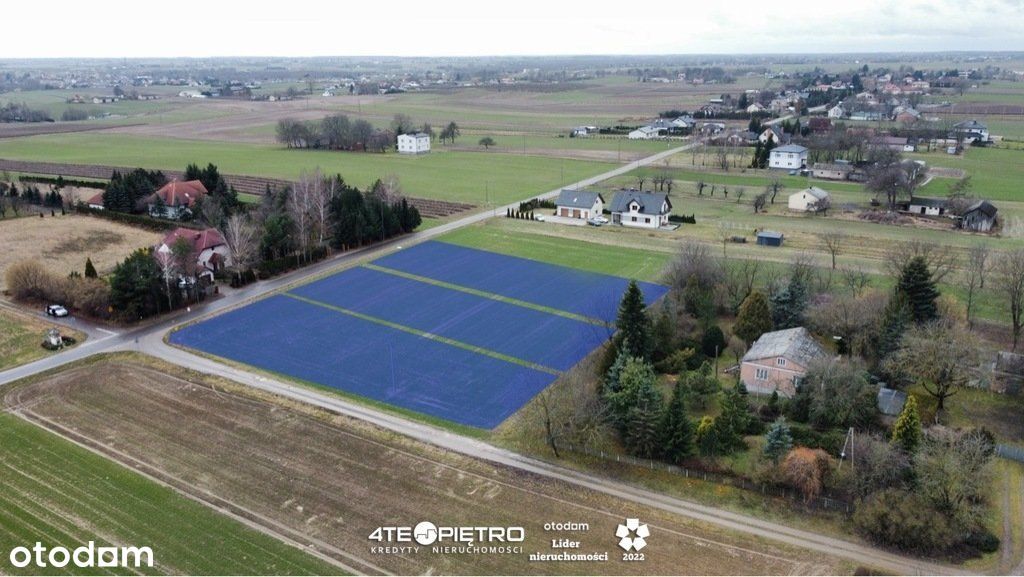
{"x":436,"y":350}
{"x":584,"y":293}
{"x":287,"y":336}
{"x":537,"y":337}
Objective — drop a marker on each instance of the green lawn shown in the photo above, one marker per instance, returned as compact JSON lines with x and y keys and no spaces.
{"x":59,"y":494}
{"x":21,"y":339}
{"x":996,"y":174}
{"x":619,"y":261}
{"x":461,"y":176}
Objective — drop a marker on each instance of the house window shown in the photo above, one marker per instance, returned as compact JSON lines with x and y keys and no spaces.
{"x":780,"y":361}
{"x":647,"y":220}
{"x":634,"y":219}
{"x":761,"y":374}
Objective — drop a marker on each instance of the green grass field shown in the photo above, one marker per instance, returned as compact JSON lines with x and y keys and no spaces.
{"x":460,"y":176}
{"x":619,"y":261}
{"x":59,"y":494}
{"x":21,"y":338}
{"x":996,"y":174}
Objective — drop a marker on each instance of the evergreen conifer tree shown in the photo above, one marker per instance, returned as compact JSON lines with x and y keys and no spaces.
{"x":906,"y":432}
{"x":633,"y":324}
{"x":778,"y":440}
{"x":677,"y":441}
{"x":917,"y":284}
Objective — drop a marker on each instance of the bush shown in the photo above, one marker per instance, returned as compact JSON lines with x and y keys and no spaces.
{"x":829,"y":441}
{"x":902,"y":519}
{"x":983,"y":541}
{"x":29,"y":280}
{"x":140,"y":220}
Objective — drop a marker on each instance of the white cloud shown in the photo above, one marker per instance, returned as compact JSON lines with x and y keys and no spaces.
{"x":447,"y":27}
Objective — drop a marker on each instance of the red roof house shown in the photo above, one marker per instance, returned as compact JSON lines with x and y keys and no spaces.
{"x":177,"y":198}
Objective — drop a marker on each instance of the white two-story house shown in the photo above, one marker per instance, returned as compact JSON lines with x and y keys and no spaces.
{"x":640,"y":209}
{"x":416,"y":143}
{"x":789,"y":157}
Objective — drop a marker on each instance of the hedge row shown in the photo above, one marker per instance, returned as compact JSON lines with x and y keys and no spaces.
{"x":140,"y":220}
{"x":59,"y":181}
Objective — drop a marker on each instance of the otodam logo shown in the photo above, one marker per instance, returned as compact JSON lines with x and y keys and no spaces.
{"x":87,"y":556}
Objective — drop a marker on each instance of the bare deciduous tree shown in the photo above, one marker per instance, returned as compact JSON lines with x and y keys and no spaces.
{"x":834,"y":241}
{"x":856,"y":279}
{"x":972,"y":278}
{"x":243,"y":241}
{"x":299,"y":207}
{"x":168,"y":264}
{"x":941,"y":259}
{"x":1010,"y":282}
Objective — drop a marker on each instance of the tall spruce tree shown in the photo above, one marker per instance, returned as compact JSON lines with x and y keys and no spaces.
{"x":789,"y":304}
{"x":778,"y":441}
{"x":917,"y":284}
{"x":677,"y":442}
{"x":754,"y":317}
{"x":90,"y":270}
{"x":906,"y":431}
{"x":895,"y":319}
{"x":633,"y":324}
{"x":733,"y":421}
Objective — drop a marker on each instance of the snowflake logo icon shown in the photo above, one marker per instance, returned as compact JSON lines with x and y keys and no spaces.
{"x":632,"y":535}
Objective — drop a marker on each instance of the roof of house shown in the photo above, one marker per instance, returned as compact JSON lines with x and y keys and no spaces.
{"x":416,"y":134}
{"x":929,"y":202}
{"x":971,"y":125}
{"x":182,"y":193}
{"x":814,"y":191}
{"x":200,"y":239}
{"x":650,"y":202}
{"x":648,"y":129}
{"x":891,"y":401}
{"x":769,"y":234}
{"x":578,"y":198}
{"x":831,"y":166}
{"x":96,"y":199}
{"x":983,"y":206}
{"x":795,"y":148}
{"x":890,"y":140}
{"x":795,"y":344}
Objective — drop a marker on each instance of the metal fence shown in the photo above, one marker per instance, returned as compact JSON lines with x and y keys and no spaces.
{"x":1011,"y":453}
{"x":823,"y":503}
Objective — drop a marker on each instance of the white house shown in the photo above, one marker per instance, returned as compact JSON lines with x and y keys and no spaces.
{"x":416,"y":143}
{"x":684,"y":122}
{"x":791,"y":156}
{"x":808,"y":200}
{"x":640,"y":209}
{"x":645,"y":133}
{"x":207,"y":246}
{"x":579,"y":204}
{"x":756,"y":108}
{"x":972,"y":130}
{"x":837,"y":111}
{"x":773,"y":132}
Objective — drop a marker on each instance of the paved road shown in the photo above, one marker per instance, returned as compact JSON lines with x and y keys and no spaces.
{"x":149,"y":339}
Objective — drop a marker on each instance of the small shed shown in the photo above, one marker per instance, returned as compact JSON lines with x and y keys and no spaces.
{"x":769,"y":238}
{"x":891,"y":401}
{"x":980,"y":216}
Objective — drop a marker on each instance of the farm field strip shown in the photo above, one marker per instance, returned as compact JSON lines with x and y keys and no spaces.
{"x":580,"y":292}
{"x":424,"y":334}
{"x":61,"y":494}
{"x":544,"y":340}
{"x":484,"y":294}
{"x":334,"y":479}
{"x":365,"y":358}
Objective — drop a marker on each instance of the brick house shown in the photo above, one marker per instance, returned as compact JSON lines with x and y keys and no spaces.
{"x":778,"y":360}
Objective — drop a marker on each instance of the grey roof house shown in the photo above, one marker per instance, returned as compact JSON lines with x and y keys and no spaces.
{"x":979,"y":217}
{"x":640,"y":209}
{"x":778,"y":360}
{"x":580,"y":204}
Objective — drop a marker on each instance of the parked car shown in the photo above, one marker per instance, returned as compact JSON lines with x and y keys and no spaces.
{"x":601,"y":219}
{"x":56,"y":311}
{"x":539,"y":218}
{"x":595,"y":222}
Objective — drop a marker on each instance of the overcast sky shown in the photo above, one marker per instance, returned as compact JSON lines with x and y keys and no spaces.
{"x":199,"y":28}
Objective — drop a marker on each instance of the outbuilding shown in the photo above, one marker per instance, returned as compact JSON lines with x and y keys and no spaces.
{"x":810,"y":199}
{"x":769,"y":238}
{"x":579,"y":204}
